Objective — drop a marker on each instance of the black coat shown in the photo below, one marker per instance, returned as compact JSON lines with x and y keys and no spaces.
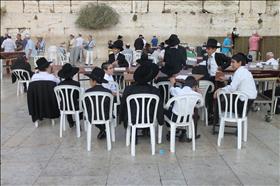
{"x":138,"y":89}
{"x":41,"y":100}
{"x":23,"y":66}
{"x":75,"y":94}
{"x":121,"y":60}
{"x":175,"y":57}
{"x":138,"y":44}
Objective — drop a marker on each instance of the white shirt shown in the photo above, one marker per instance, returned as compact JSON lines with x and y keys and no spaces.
{"x":177,"y":91}
{"x":44,"y":76}
{"x":212,"y":65}
{"x":9,"y":45}
{"x":109,"y":85}
{"x":272,"y":61}
{"x":79,"y":42}
{"x":30,"y":46}
{"x":242,"y":81}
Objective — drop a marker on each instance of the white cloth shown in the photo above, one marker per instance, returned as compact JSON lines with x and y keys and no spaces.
{"x":272,"y":61}
{"x":242,"y":81}
{"x":44,"y":76}
{"x":79,"y":42}
{"x":177,"y":91}
{"x":89,"y":57}
{"x":9,"y":45}
{"x":212,"y":65}
{"x":109,"y":85}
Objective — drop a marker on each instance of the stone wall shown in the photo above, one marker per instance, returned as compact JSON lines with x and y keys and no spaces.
{"x":55,"y":20}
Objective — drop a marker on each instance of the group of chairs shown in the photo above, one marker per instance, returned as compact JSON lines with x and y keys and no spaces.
{"x":132,"y":58}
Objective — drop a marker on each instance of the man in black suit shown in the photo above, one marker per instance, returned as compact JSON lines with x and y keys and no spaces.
{"x":117,"y":58}
{"x":20,"y":63}
{"x":96,"y":79}
{"x":67,"y":72}
{"x":139,"y":43}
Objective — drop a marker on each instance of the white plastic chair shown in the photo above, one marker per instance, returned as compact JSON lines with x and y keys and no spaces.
{"x":136,"y":55}
{"x":204,"y":85}
{"x":65,"y":100}
{"x":275,"y":103}
{"x":128,"y":58}
{"x":96,"y":101}
{"x":165,"y":87}
{"x":143,"y":106}
{"x":35,"y":59}
{"x":62,"y":59}
{"x":185,"y":105}
{"x":226,"y":114}
{"x":115,"y":111}
{"x":53,"y":54}
{"x":22,"y":77}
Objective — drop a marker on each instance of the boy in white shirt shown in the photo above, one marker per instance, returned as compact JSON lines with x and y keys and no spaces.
{"x":190,"y":87}
{"x":109,"y":70}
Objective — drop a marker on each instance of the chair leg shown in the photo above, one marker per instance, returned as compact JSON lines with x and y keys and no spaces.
{"x":193,"y":136}
{"x":78,"y":124}
{"x":133,"y":136}
{"x":189,"y":131}
{"x":64,"y":121}
{"x":159,"y":134}
{"x":108,"y":136}
{"x":18,"y":87}
{"x":128,"y":135}
{"x":245,"y":130}
{"x":60,"y":125}
{"x":221,"y":131}
{"x":36,"y":124}
{"x":206,"y":116}
{"x":153,"y":139}
{"x":53,"y":122}
{"x":113,"y":133}
{"x":239,"y":134}
{"x":89,"y":137}
{"x":172,"y":138}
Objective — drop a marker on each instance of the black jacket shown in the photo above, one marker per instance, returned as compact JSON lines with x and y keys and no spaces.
{"x":175,"y":57}
{"x":138,"y":44}
{"x":98,"y":88}
{"x":121,"y":60}
{"x":75,"y":94}
{"x":21,"y":65}
{"x":41,"y":100}
{"x":138,"y":89}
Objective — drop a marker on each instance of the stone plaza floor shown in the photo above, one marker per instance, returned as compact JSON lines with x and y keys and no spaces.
{"x":37,"y":156}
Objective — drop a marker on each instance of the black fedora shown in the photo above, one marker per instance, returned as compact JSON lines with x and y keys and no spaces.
{"x":172,"y":40}
{"x":145,"y":73}
{"x":144,"y":59}
{"x":170,"y":70}
{"x":97,"y":74}
{"x":42,"y":63}
{"x":118,"y":44}
{"x":212,"y":43}
{"x":67,"y":71}
{"x":120,"y":37}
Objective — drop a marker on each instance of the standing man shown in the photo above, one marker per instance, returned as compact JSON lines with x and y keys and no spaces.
{"x":9,"y":45}
{"x":227,"y":45}
{"x":29,"y":49}
{"x":154,"y":42}
{"x":254,"y":45}
{"x":78,"y":52}
{"x":234,"y":35}
{"x":139,"y":43}
{"x":19,"y":43}
{"x":71,"y":48}
{"x":89,"y":49}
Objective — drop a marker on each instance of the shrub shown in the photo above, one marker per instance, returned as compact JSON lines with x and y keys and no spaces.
{"x":3,"y":10}
{"x":97,"y":16}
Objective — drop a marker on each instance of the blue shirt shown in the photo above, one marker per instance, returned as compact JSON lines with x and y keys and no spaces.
{"x":226,"y":42}
{"x":30,"y":45}
{"x":154,"y":42}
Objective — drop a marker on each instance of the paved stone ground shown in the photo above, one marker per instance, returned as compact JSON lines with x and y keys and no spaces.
{"x":37,"y":156}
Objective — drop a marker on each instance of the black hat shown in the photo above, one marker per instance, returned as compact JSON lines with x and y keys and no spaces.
{"x":144,"y":59}
{"x":173,"y":40}
{"x":213,"y":43}
{"x":169,"y":70}
{"x":145,"y":73}
{"x":67,"y":71}
{"x":118,"y":44}
{"x":120,"y":37}
{"x":98,"y":75}
{"x":42,"y":63}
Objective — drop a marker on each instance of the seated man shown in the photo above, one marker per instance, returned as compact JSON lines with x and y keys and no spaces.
{"x":117,"y":59}
{"x":270,"y":59}
{"x":21,"y":63}
{"x":242,"y":81}
{"x":108,"y":69}
{"x":190,"y":86}
{"x":96,"y":80}
{"x":142,"y":75}
{"x":45,"y":71}
{"x":67,"y":72}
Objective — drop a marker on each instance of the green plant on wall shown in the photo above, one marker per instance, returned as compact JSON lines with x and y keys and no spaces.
{"x":3,"y":11}
{"x":97,"y":16}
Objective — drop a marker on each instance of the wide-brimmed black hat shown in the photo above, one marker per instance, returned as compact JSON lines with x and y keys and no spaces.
{"x":42,"y":63}
{"x":172,"y":40}
{"x":120,"y":37}
{"x":145,"y":73}
{"x":67,"y":71}
{"x":170,"y":70}
{"x":144,"y":59}
{"x":98,"y":75}
{"x":213,"y":43}
{"x":118,"y":44}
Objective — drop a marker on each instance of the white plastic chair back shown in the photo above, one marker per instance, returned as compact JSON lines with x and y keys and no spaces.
{"x":143,"y":106}
{"x":204,"y":86}
{"x":22,"y":77}
{"x":115,"y":107}
{"x":53,"y":54}
{"x":128,"y":58}
{"x":136,"y":55}
{"x":231,"y":101}
{"x":164,"y":86}
{"x":185,"y":107}
{"x":35,"y":59}
{"x":62,"y":59}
